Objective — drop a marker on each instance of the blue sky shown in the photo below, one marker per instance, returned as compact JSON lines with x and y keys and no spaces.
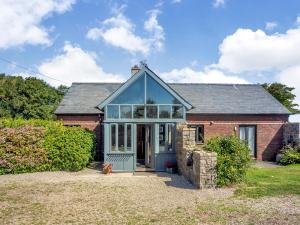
{"x":218,"y":41}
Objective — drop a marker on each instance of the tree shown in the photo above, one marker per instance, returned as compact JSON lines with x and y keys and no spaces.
{"x":63,"y":89}
{"x":283,"y":94}
{"x":27,"y":98}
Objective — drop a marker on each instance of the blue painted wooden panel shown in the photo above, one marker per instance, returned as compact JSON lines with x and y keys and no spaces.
{"x":162,"y":158}
{"x":121,"y":161}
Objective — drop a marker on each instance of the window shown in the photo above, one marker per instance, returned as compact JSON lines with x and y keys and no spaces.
{"x":113,"y":136}
{"x":121,"y":138}
{"x":177,"y":112}
{"x":156,"y":94}
{"x":129,"y":137}
{"x":166,"y":137}
{"x":199,"y":133}
{"x":138,"y":111}
{"x":162,"y":137}
{"x":170,"y":136}
{"x":165,"y":111}
{"x":151,"y":111}
{"x":113,"y":111}
{"x":144,"y":98}
{"x":248,"y":134}
{"x":125,"y":111}
{"x":134,"y":94}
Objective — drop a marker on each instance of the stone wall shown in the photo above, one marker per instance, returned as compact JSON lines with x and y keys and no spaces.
{"x":195,"y":164}
{"x":291,"y":133}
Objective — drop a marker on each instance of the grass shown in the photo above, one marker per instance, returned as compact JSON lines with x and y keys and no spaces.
{"x":276,"y":181}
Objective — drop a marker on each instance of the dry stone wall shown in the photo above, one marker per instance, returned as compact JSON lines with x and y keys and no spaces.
{"x":195,"y":164}
{"x":291,"y":134}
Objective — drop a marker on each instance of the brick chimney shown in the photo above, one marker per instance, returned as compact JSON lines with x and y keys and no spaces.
{"x":134,"y":70}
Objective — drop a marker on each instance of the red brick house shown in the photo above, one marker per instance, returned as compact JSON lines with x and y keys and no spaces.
{"x":135,"y":121}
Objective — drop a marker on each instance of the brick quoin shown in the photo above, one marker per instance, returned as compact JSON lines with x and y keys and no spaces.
{"x":269,"y":129}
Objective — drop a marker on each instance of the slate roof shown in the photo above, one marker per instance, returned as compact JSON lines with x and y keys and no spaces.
{"x":83,"y":98}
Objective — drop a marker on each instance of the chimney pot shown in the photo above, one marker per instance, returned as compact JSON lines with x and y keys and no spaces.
{"x":134,"y":70}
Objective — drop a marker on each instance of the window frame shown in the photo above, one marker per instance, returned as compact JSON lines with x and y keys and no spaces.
{"x":120,"y":111}
{"x":165,"y":147}
{"x":171,"y":118}
{"x":117,"y":125}
{"x":106,"y":111}
{"x":255,"y":137}
{"x":197,"y":126}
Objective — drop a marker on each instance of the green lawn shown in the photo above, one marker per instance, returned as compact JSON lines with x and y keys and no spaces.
{"x":271,"y":182}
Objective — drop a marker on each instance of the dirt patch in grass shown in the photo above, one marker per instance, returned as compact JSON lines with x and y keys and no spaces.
{"x":88,"y":197}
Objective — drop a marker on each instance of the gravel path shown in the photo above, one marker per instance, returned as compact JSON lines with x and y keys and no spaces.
{"x":89,"y":197}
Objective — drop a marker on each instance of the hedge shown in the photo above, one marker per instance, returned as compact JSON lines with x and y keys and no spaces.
{"x":233,"y":159}
{"x":40,"y":145}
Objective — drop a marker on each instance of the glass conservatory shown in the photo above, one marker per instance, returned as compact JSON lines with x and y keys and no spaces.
{"x":140,"y":123}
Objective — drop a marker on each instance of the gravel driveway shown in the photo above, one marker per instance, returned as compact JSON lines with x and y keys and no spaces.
{"x":89,"y":197}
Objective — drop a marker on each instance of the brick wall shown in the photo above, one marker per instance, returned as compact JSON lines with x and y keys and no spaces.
{"x":91,"y":122}
{"x":269,"y":129}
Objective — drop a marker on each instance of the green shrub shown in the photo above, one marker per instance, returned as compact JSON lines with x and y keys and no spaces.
{"x":69,"y":148}
{"x":39,"y":145}
{"x":233,"y":159}
{"x":291,"y":155}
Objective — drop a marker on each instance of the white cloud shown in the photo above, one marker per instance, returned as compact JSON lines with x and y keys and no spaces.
{"x":155,"y":29}
{"x":20,"y":21}
{"x":291,"y":77}
{"x":218,"y":3}
{"x":270,"y":25}
{"x":119,"y":31}
{"x":257,"y":52}
{"x":76,"y":65}
{"x":248,"y":50}
{"x":208,"y":75}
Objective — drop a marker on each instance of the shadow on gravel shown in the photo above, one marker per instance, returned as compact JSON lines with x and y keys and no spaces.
{"x":177,"y":181}
{"x":96,"y":166}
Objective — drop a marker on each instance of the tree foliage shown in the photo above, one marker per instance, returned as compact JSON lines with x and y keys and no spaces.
{"x":283,"y":94}
{"x":28,"y":98}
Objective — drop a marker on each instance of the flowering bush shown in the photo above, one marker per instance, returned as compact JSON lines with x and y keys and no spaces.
{"x":22,"y":150}
{"x":37,"y":145}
